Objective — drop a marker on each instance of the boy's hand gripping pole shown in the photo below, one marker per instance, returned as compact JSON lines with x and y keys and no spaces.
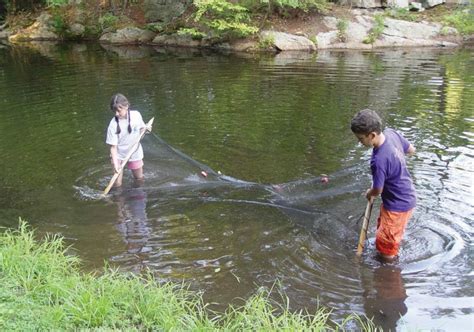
{"x":365,"y":226}
{"x":127,"y":157}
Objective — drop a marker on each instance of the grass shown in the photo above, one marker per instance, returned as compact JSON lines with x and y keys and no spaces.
{"x":43,"y":288}
{"x":376,"y":30}
{"x":462,"y":19}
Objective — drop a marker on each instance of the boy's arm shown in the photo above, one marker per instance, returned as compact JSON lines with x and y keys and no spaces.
{"x":373,"y":192}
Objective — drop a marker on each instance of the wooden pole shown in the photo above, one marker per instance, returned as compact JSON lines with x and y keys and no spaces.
{"x":127,"y":157}
{"x":365,"y":226}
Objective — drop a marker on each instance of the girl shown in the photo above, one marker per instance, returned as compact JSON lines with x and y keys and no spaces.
{"x":124,"y":130}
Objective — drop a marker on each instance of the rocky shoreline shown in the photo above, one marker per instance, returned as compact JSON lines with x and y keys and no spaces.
{"x":395,"y":33}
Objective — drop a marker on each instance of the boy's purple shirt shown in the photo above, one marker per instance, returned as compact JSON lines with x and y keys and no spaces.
{"x":389,"y":171}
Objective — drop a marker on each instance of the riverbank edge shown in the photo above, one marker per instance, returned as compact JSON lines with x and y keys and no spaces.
{"x":342,"y":28}
{"x":43,"y":288}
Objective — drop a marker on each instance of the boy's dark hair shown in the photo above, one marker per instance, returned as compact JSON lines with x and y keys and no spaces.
{"x":365,"y":122}
{"x":116,"y":101}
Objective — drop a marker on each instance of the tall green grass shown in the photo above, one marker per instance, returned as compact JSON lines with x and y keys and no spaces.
{"x":43,"y":288}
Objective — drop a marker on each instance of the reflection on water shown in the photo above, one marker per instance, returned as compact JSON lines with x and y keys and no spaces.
{"x":133,"y":220}
{"x":385,"y":297}
{"x":264,"y":129}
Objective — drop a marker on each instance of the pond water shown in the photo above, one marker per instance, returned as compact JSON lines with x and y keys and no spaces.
{"x":264,"y":128}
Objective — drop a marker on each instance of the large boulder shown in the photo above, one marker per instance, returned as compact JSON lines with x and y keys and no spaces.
{"x":327,"y":39}
{"x":178,"y":41}
{"x":287,"y":42}
{"x":164,"y":10}
{"x":396,"y":33}
{"x":42,"y":29}
{"x":432,"y":3}
{"x":128,"y":36}
{"x":410,"y":30}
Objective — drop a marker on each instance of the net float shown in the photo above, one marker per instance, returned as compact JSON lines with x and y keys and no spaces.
{"x":324,"y":178}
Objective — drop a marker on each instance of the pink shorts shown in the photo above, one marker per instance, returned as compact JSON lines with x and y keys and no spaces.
{"x":136,"y":164}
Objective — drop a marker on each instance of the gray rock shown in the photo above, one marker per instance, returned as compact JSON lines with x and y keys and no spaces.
{"x":397,"y":3}
{"x":363,"y":3}
{"x":391,"y":41}
{"x":410,"y":30}
{"x":330,"y":22}
{"x":177,"y":40}
{"x":288,"y":42}
{"x":418,"y":6}
{"x":244,"y":45}
{"x":327,"y":39}
{"x":164,"y":10}
{"x":42,"y":29}
{"x":76,"y":29}
{"x":356,"y":32}
{"x":432,"y":3}
{"x":128,"y":36}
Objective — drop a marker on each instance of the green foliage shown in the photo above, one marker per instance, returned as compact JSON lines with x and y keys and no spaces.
{"x":283,"y":5}
{"x":304,"y":5}
{"x":376,"y":30}
{"x":19,"y":20}
{"x":220,"y":19}
{"x":13,"y":6}
{"x":462,"y":19}
{"x":155,"y":27}
{"x":342,"y":29}
{"x":266,"y":42}
{"x":193,"y":32}
{"x":42,"y":289}
{"x":56,"y":3}
{"x":59,"y":24}
{"x":107,"y":21}
{"x":401,"y":14}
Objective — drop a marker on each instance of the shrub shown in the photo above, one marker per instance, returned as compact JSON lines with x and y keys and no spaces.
{"x":220,"y":19}
{"x":107,"y":21}
{"x":342,"y":29}
{"x":376,"y":30}
{"x":401,"y":14}
{"x":283,"y":5}
{"x":56,"y":3}
{"x":266,"y":43}
{"x":462,"y":19}
{"x":59,"y":24}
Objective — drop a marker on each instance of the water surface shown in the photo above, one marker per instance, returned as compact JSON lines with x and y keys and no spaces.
{"x":264,"y":128}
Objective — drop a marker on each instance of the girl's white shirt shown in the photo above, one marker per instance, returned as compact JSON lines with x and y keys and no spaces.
{"x":125,"y":140}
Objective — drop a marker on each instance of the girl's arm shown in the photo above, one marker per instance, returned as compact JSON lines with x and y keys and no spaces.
{"x":114,"y":156}
{"x":147,"y":128}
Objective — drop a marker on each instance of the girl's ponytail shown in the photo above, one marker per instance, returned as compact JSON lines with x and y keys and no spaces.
{"x":118,"y":126}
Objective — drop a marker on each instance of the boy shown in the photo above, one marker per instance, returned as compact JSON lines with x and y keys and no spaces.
{"x":390,"y":178}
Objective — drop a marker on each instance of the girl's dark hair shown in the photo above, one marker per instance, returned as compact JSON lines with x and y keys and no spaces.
{"x":119,"y":100}
{"x":366,"y":122}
